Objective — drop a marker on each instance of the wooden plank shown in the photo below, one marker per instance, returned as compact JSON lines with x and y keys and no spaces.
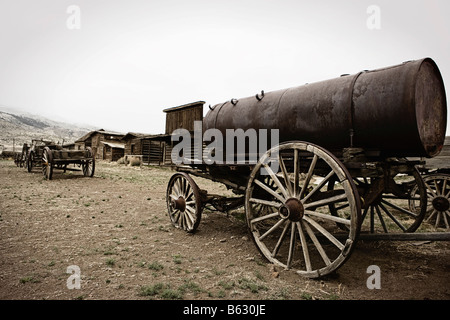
{"x":417,"y":236}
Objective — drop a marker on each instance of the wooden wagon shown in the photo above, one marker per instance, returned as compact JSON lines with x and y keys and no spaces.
{"x":340,"y":172}
{"x":59,"y":158}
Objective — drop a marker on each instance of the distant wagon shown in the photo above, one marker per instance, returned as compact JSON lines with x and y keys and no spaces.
{"x":59,"y":158}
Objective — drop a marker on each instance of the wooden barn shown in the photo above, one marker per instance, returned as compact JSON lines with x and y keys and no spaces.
{"x":106,"y":145}
{"x":152,"y":149}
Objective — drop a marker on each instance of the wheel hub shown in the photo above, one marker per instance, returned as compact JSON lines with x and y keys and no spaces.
{"x":441,"y":203}
{"x":179,"y":203}
{"x":293,"y":210}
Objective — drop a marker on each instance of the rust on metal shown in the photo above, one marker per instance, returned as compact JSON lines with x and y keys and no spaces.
{"x":394,"y":111}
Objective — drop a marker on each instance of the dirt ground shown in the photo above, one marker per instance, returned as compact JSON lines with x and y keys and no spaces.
{"x":114,"y":227}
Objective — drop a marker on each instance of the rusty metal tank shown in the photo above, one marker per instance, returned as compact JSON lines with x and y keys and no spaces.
{"x":395,"y":111}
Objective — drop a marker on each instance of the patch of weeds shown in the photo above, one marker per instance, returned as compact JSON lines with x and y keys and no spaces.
{"x":161,"y":290}
{"x":152,"y":290}
{"x":249,"y":284}
{"x":218,"y":272}
{"x":227,"y":285}
{"x":108,"y":253}
{"x":156,"y":266}
{"x":283,"y":294}
{"x":306,"y":296}
{"x":177,"y":259}
{"x":259,"y":276}
{"x":190,"y":286}
{"x":170,"y":294}
{"x":110,"y":262}
{"x":29,"y":279}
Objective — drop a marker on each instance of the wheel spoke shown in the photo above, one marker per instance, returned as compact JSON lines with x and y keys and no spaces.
{"x":285,"y":175}
{"x":391,"y":216}
{"x":277,"y":181}
{"x":317,"y":244}
{"x":280,"y":240}
{"x":304,"y":245}
{"x":444,"y":216}
{"x":291,"y":246}
{"x":436,"y":187}
{"x":319,"y":186}
{"x":380,"y":217}
{"x":266,"y":202}
{"x":433,"y":213}
{"x":409,"y":213}
{"x":309,"y":175}
{"x":296,"y":172}
{"x":272,"y":192}
{"x":272,"y":215}
{"x":327,"y":201}
{"x":324,"y":232}
{"x":328,"y":217}
{"x":274,"y":227}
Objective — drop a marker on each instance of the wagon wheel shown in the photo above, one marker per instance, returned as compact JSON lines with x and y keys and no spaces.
{"x":30,"y":160}
{"x":438,"y":195}
{"x":299,"y":233}
{"x":88,"y":165}
{"x":183,"y":202}
{"x":390,"y":211}
{"x":47,"y":163}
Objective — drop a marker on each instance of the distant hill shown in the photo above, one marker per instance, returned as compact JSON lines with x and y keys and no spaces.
{"x":18,"y":128}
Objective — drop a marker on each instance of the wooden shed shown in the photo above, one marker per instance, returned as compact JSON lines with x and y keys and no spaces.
{"x":152,"y":149}
{"x":183,"y":116}
{"x":106,"y":145}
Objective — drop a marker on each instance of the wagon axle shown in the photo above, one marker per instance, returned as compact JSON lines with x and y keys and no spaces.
{"x":293,"y":210}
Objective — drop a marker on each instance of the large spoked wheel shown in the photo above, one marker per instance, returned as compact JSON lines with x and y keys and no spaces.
{"x":287,"y":208}
{"x":88,"y":165}
{"x":390,"y":208}
{"x":47,"y":163}
{"x":437,"y":187}
{"x":183,"y":202}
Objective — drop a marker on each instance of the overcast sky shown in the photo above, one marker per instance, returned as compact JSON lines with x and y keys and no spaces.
{"x":117,"y":64}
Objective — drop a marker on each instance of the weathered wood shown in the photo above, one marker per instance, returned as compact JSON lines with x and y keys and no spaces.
{"x":416,"y":236}
{"x":183,"y":117}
